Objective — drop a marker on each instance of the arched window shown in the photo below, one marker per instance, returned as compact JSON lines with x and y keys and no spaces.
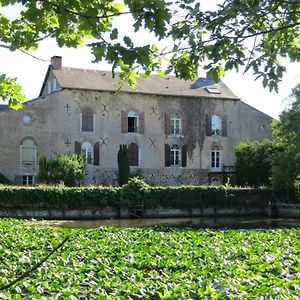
{"x":86,"y":152}
{"x":133,"y":154}
{"x":175,"y":155}
{"x":132,"y":122}
{"x":216,"y":125}
{"x":28,"y":152}
{"x":87,"y":120}
{"x":215,"y":159}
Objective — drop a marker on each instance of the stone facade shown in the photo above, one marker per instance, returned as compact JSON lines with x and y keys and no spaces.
{"x":181,"y":139}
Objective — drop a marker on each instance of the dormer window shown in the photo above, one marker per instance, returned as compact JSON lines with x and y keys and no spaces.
{"x":51,"y":85}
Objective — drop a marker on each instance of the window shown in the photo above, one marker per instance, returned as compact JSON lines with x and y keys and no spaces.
{"x":87,"y":120}
{"x":175,"y":155}
{"x":216,"y":125}
{"x":51,"y":85}
{"x":86,"y":152}
{"x":133,"y":154}
{"x":28,"y":152}
{"x":176,"y":126}
{"x":215,"y":159}
{"x":27,"y":180}
{"x":132,"y":122}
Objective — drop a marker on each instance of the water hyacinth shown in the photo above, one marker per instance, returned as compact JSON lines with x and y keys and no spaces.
{"x":148,"y":263}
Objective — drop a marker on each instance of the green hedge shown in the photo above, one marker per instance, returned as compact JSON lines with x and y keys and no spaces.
{"x":58,"y":197}
{"x":185,"y":197}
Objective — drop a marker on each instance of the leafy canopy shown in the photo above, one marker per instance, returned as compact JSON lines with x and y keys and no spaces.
{"x":240,"y":34}
{"x":66,"y":168}
{"x":286,"y":131}
{"x":254,"y":162}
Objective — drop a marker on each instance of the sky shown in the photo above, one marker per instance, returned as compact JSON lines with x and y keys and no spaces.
{"x":30,"y":72}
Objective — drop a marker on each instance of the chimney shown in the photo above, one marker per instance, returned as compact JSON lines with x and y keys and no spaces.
{"x":56,"y":62}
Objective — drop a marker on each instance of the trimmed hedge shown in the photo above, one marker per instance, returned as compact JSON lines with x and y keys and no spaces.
{"x":184,"y":197}
{"x":59,"y":197}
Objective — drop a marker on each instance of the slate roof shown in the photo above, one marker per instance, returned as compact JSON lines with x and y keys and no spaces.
{"x":3,"y":107}
{"x":84,"y":79}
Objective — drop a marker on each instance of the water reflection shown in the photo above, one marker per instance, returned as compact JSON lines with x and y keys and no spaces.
{"x":220,"y":222}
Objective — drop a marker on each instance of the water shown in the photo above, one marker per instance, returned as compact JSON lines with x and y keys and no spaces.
{"x":216,"y":223}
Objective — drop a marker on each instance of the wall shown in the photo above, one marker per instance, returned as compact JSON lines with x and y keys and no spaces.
{"x":55,"y":126}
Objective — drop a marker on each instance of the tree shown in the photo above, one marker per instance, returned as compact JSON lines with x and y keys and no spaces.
{"x":286,"y":131}
{"x":123,"y":165}
{"x":254,"y":162}
{"x":66,"y":168}
{"x":247,"y":34}
{"x":43,"y":170}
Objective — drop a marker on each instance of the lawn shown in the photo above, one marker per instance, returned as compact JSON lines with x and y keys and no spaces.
{"x":148,"y":263}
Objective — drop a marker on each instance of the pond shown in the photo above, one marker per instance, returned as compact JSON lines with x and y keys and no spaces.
{"x":216,"y":223}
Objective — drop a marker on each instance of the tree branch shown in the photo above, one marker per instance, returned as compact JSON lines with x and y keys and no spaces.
{"x":33,"y":56}
{"x":36,"y":266}
{"x":103,"y":16}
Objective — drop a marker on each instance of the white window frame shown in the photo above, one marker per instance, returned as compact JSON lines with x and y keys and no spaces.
{"x":85,"y":147}
{"x":132,"y":114}
{"x":175,"y":152}
{"x":176,"y":126}
{"x":215,"y":159}
{"x":216,"y":125}
{"x":22,"y":148}
{"x":26,"y":177}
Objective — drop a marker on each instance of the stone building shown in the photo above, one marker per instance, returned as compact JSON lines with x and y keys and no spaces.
{"x":177,"y":132}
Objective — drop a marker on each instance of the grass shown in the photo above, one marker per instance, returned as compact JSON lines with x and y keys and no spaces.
{"x":152,"y":263}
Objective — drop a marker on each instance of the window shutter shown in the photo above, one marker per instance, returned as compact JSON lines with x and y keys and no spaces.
{"x":184,"y":125}
{"x":142,"y":123}
{"x":124,"y":122}
{"x":133,"y":154}
{"x":208,"y":125}
{"x":167,"y":124}
{"x":167,"y":156}
{"x":96,"y":154}
{"x":184,"y":156}
{"x":87,"y":120}
{"x":77,"y":148}
{"x":224,"y":126}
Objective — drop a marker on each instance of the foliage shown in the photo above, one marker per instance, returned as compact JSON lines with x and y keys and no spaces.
{"x":149,"y":263}
{"x":123,"y":165}
{"x":43,"y":170}
{"x":286,"y":133}
{"x":239,"y":34}
{"x":52,"y":197}
{"x":183,"y":197}
{"x":134,"y":190}
{"x":4,"y":180}
{"x":254,"y":162}
{"x":66,"y":168}
{"x":10,"y":91}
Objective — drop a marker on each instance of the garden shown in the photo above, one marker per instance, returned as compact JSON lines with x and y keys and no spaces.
{"x":147,"y":263}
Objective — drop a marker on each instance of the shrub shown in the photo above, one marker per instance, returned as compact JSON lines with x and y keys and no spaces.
{"x":66,"y":168}
{"x":43,"y":170}
{"x":4,"y":180}
{"x":254,"y":163}
{"x":123,"y":165}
